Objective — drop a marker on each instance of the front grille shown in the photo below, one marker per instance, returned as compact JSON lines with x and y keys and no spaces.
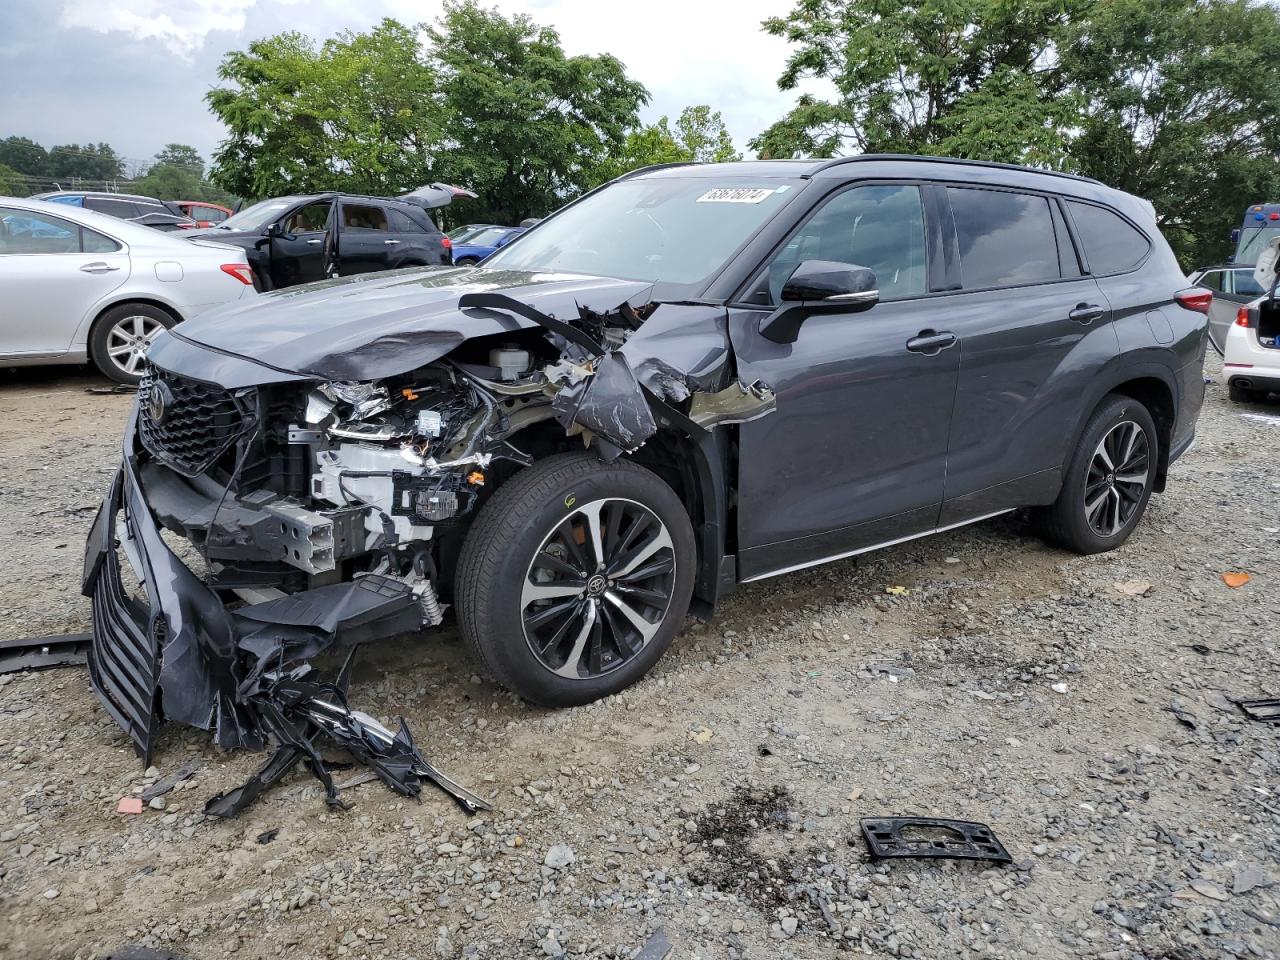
{"x":124,"y":658}
{"x":186,"y":424}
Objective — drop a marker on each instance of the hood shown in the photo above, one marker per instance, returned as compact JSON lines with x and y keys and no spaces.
{"x":380,"y":324}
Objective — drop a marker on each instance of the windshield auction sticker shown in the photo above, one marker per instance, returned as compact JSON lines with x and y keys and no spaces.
{"x":736,"y":195}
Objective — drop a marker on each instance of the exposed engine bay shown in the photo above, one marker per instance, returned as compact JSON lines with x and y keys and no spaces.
{"x":329,"y":512}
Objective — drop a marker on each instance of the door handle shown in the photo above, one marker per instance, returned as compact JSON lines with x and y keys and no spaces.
{"x":1087,"y":313}
{"x":390,"y":243}
{"x":98,"y":267}
{"x":315,"y":243}
{"x":930,"y":342}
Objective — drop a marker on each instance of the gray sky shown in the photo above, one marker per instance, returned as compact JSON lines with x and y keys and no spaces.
{"x":134,"y":73}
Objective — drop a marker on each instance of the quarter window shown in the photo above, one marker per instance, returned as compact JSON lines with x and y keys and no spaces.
{"x":363,"y":216}
{"x":881,"y":227}
{"x":1111,"y":243}
{"x":402,"y":223}
{"x":1006,"y":239}
{"x":93,"y":242}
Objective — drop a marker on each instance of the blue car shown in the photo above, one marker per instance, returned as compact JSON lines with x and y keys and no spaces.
{"x":480,"y":245}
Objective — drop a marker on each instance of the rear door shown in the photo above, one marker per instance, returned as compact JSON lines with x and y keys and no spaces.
{"x":419,"y":239}
{"x":1231,"y":289}
{"x":366,"y":242}
{"x":52,"y":273}
{"x":1033,"y":330}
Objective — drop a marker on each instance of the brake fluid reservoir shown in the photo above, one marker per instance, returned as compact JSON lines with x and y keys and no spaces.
{"x":510,"y":360}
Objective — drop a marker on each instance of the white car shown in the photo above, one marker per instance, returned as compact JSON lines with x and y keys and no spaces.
{"x":1251,"y":357}
{"x":80,"y":285}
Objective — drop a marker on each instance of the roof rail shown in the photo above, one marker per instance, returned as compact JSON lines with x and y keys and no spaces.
{"x":657,"y":166}
{"x":858,"y":158}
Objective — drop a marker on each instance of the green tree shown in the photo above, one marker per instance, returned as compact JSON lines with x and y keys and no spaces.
{"x":359,"y":114}
{"x":923,"y":77}
{"x":181,"y":155}
{"x":1173,"y":100}
{"x":12,"y":183}
{"x":24,"y":156}
{"x":72,"y":161}
{"x":524,"y":126}
{"x":1181,"y":100}
{"x":700,"y":135}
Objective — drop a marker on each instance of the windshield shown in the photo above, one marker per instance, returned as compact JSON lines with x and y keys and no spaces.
{"x":257,"y":216}
{"x":486,"y":237}
{"x":1253,"y":241}
{"x":662,"y":230}
{"x":461,"y":234}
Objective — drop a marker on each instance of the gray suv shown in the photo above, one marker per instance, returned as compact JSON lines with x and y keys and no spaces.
{"x":692,"y":377}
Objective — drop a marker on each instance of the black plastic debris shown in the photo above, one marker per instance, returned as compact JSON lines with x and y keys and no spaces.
{"x":40,"y":653}
{"x":266,"y":836}
{"x":1264,"y":711}
{"x":932,"y":838}
{"x":167,"y":783}
{"x":296,"y":711}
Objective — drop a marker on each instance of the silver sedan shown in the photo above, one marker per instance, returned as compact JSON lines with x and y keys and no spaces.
{"x":80,"y":286}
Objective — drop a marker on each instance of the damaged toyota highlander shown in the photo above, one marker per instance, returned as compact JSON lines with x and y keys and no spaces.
{"x":692,"y":377}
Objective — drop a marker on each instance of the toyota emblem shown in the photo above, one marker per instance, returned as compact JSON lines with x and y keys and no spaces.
{"x":159,"y":400}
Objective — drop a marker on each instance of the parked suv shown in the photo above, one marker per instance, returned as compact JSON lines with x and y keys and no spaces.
{"x":692,"y":377}
{"x":299,"y":239}
{"x":147,"y":211}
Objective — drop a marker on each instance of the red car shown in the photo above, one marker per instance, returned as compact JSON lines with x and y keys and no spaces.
{"x":204,"y":213}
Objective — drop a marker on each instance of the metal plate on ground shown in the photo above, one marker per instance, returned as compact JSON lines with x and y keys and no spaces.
{"x":932,"y":837}
{"x":38,"y":653}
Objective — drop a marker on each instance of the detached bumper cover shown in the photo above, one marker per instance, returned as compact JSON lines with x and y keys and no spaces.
{"x":179,"y":654}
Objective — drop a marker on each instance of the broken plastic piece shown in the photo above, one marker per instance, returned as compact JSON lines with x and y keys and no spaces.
{"x":1265,"y":711}
{"x":932,"y":837}
{"x":737,"y":403}
{"x":1235,"y":580}
{"x":129,"y":805}
{"x":37,"y":653}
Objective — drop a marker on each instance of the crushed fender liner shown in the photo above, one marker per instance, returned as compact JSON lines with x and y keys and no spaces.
{"x":174,"y":651}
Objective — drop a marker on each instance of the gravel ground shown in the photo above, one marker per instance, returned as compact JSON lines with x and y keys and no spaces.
{"x":717,"y":801}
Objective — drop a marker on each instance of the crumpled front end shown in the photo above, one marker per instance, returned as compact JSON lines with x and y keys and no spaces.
{"x":274,"y":514}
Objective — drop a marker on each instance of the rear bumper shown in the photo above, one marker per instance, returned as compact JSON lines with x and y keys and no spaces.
{"x":1246,"y":379}
{"x":176,"y":652}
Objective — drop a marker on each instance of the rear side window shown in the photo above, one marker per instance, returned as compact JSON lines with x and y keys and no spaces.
{"x":363,"y":216}
{"x":1006,"y":239}
{"x":1111,"y":243}
{"x":123,"y":209}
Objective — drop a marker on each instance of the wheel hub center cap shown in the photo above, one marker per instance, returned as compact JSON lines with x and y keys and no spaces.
{"x":596,"y":586}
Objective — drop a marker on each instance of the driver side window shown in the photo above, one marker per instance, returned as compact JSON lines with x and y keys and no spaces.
{"x":881,"y":227}
{"x":310,"y":219}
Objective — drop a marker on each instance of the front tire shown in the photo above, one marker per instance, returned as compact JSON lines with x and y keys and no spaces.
{"x":575,"y":578}
{"x":1108,"y":480}
{"x":121,"y":337}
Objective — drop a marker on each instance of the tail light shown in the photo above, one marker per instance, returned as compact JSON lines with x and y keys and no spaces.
{"x":448,"y":244}
{"x":1244,"y":318}
{"x":1195,"y":298}
{"x":241,"y":271}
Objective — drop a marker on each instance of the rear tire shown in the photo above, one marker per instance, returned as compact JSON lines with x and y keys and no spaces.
{"x":550,"y":619}
{"x":121,"y":337}
{"x":466,"y":262}
{"x":1108,"y":479}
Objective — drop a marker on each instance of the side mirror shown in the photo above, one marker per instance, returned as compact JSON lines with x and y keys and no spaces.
{"x":275,"y":229}
{"x":820,"y":286}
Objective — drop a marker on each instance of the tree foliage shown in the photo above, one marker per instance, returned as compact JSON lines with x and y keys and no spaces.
{"x":24,"y":156}
{"x":487,"y":102}
{"x":699,"y":136}
{"x":73,"y":161}
{"x":181,"y":155}
{"x":12,"y":183}
{"x":1173,"y":100}
{"x":355,"y":114}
